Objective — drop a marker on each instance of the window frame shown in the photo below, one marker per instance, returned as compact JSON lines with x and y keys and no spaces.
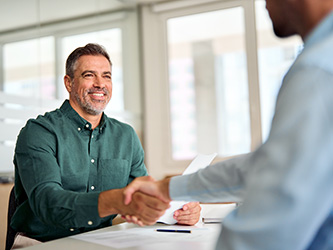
{"x":157,"y":128}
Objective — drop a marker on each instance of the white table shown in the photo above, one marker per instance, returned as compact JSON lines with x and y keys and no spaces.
{"x":202,"y":237}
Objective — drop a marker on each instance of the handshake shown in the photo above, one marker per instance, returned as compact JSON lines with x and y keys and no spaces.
{"x":148,"y":200}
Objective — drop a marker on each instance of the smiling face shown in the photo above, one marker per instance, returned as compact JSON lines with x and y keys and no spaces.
{"x":91,"y":88}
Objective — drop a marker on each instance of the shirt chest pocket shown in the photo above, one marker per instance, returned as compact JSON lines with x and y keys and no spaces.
{"x":113,"y":173}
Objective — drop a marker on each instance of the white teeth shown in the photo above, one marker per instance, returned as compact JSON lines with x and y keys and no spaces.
{"x":96,"y":94}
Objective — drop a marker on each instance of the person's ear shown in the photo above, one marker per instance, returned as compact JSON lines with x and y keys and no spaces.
{"x":68,"y":83}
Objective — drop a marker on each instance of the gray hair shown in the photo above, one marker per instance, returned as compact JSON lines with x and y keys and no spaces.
{"x":90,"y":49}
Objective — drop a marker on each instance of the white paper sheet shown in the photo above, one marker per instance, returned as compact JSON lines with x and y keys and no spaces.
{"x":199,"y":162}
{"x":143,"y":236}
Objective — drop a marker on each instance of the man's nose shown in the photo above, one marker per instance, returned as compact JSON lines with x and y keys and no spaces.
{"x":98,"y":82}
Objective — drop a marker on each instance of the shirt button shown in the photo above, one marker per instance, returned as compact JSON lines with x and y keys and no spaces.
{"x":90,"y":223}
{"x":92,"y":136}
{"x":92,"y":187}
{"x":87,"y":125}
{"x":92,"y":160}
{"x":72,"y":229}
{"x":79,"y":129}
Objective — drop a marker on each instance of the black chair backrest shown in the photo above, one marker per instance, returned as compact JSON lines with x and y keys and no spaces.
{"x":11,"y":233}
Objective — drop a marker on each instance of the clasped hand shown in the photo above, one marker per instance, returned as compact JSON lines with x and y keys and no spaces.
{"x":144,"y":209}
{"x":189,"y":214}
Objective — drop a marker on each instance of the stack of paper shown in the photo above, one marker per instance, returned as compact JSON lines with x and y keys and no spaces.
{"x":215,"y":213}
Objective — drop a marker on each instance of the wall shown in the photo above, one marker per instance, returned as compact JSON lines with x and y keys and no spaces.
{"x":46,"y":11}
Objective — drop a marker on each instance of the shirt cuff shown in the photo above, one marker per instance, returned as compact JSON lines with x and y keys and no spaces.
{"x":178,"y":188}
{"x":87,"y":210}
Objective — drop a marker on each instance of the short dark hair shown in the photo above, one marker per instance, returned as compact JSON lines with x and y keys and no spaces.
{"x":90,"y":49}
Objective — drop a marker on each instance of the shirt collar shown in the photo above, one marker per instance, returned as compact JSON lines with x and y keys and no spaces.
{"x":79,"y":122}
{"x":102,"y":123}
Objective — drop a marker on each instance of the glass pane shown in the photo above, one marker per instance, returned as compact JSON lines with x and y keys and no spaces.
{"x":209,"y":103}
{"x":111,"y":40}
{"x":275,"y":56}
{"x":29,"y":68}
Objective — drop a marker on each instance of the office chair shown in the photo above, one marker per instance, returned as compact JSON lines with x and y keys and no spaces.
{"x":10,"y":231}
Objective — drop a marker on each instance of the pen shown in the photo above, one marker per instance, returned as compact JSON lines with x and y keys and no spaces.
{"x":173,"y":230}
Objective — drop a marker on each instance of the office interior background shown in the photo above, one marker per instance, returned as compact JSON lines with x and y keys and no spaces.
{"x":191,"y":76}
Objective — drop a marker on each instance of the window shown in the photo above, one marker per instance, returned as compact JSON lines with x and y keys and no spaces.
{"x":209,"y":100}
{"x":29,"y":68}
{"x":212,"y":72}
{"x":35,"y":67}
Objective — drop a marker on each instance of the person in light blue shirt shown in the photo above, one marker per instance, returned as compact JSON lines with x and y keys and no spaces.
{"x":285,"y":185}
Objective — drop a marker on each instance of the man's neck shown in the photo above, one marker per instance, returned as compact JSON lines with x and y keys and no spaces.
{"x":93,"y":119}
{"x":313,"y":15}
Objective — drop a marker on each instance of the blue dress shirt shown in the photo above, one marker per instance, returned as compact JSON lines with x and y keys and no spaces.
{"x":286,"y":185}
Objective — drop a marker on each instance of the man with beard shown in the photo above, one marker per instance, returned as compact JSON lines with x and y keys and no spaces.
{"x":286,"y":184}
{"x":72,"y":164}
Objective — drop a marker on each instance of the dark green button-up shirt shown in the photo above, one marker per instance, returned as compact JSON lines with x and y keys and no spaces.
{"x":62,"y":165}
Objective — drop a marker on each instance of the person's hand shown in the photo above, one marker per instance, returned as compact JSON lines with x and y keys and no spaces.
{"x":144,"y":209}
{"x":147,"y":185}
{"x":189,"y":214}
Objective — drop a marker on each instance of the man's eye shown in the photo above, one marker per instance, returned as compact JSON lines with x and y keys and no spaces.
{"x":88,"y":75}
{"x":107,"y":76}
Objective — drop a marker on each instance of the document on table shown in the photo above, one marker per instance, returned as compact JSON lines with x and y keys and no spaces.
{"x":201,"y":161}
{"x":147,"y":235}
{"x":215,"y":213}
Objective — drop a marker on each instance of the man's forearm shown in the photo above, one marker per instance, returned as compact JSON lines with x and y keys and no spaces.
{"x":110,"y":202}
